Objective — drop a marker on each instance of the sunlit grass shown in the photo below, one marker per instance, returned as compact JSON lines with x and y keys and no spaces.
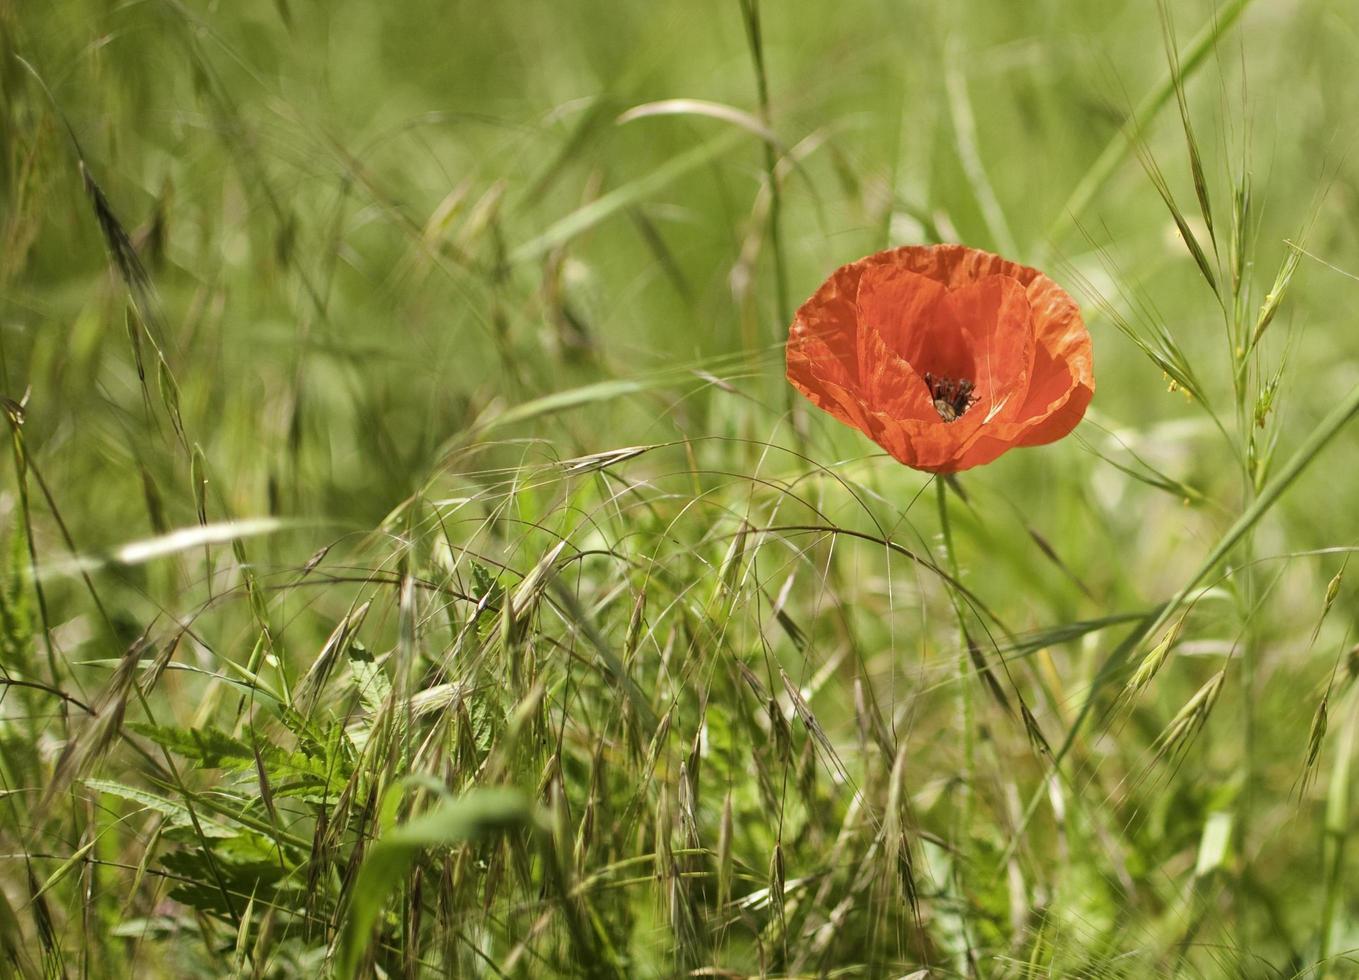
{"x":415,"y":563}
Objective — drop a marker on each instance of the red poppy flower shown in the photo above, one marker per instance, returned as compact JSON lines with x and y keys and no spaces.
{"x":945,"y":356}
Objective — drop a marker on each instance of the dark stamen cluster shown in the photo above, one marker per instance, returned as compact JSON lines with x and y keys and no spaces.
{"x":951,"y":397}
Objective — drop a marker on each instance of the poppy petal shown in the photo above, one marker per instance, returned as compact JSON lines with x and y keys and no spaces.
{"x":820,"y":375}
{"x":910,"y":312}
{"x":993,"y":315}
{"x":890,"y":383}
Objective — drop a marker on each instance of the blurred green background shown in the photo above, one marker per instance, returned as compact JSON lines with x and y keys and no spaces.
{"x":404,"y":259}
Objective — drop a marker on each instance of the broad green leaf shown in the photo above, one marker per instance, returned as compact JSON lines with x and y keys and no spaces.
{"x":472,"y":817}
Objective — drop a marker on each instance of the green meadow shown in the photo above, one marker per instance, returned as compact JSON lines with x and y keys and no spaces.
{"x":414,"y":562}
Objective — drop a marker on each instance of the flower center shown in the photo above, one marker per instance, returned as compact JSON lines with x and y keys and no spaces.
{"x":952,"y":396}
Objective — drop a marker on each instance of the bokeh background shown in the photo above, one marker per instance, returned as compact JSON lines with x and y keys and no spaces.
{"x":399,"y":419}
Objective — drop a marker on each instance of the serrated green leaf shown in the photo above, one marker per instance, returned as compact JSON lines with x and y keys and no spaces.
{"x":209,"y":747}
{"x":177,"y":813}
{"x":371,"y":680}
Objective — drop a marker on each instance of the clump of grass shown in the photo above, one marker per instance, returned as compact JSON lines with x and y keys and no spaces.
{"x":411,"y":567}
